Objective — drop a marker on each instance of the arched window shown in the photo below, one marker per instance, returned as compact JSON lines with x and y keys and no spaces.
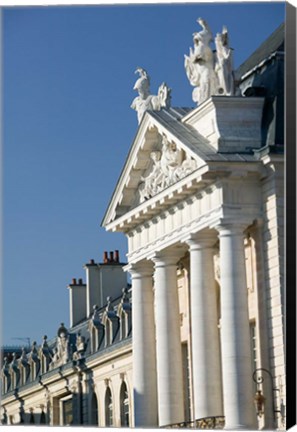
{"x":108,"y":408}
{"x":42,"y":418}
{"x":94,"y":340}
{"x":94,"y":410}
{"x":108,"y":330}
{"x":124,"y":404}
{"x":123,"y":325}
{"x":32,"y":420}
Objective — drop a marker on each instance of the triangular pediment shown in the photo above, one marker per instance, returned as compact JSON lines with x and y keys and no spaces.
{"x":164,"y":152}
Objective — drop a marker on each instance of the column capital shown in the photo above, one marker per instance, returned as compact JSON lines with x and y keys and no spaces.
{"x":140,"y":269}
{"x":231,"y":227}
{"x":205,"y":239}
{"x":166,"y":258}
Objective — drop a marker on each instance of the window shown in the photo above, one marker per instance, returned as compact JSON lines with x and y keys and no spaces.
{"x":42,"y":417}
{"x":32,"y":420}
{"x":108,"y":408}
{"x":124,"y":404}
{"x":94,"y":410}
{"x":108,"y":330}
{"x":186,"y":380}
{"x":253,"y":339}
{"x":66,"y":411}
{"x":123,"y":325}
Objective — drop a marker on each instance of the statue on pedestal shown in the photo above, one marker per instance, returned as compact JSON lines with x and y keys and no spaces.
{"x":224,"y":63}
{"x":210,"y":74}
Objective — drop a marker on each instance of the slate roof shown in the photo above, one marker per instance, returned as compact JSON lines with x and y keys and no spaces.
{"x":275,"y":42}
{"x":170,"y":118}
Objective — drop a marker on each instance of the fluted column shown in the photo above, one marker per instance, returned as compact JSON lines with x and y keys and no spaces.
{"x":169,"y":353}
{"x":235,"y":331}
{"x":207,"y":379}
{"x":144,"y":347}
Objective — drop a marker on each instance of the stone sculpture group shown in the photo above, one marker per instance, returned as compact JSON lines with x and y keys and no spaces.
{"x":210,"y":73}
{"x":169,"y":166}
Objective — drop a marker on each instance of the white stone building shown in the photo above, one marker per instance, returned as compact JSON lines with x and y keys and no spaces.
{"x":201,"y":200}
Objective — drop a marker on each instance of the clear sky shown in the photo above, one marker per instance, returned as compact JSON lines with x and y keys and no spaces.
{"x":68,"y":76}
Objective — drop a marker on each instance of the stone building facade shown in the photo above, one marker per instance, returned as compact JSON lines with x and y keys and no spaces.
{"x":83,"y":375}
{"x":201,"y":201}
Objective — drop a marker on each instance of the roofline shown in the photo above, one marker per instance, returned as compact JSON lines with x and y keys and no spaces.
{"x":262,"y":63}
{"x":139,"y":129}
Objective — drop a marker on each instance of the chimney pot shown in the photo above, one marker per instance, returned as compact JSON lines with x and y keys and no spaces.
{"x":117,"y":256}
{"x":73,"y":281}
{"x":105,"y":257}
{"x":92,"y":261}
{"x":111,"y":257}
{"x":80,"y":281}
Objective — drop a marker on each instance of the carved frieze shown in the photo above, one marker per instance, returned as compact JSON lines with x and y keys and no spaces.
{"x":169,"y":165}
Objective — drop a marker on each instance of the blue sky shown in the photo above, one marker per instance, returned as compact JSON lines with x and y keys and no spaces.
{"x":68,"y":76}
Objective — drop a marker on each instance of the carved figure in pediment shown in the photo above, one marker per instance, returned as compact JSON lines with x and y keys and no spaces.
{"x":171,"y":159}
{"x":224,"y":63}
{"x":187,"y":167}
{"x":145,"y":101}
{"x":154,"y":179}
{"x":168,"y":167}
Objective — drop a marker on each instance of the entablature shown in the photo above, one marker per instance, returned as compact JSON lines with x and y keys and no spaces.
{"x":241,"y":176}
{"x":206,"y":207}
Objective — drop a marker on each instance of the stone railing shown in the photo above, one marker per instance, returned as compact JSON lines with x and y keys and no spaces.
{"x":203,"y":423}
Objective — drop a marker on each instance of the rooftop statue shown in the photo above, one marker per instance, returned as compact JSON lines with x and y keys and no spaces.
{"x":224,"y":63}
{"x":145,"y":101}
{"x":210,"y":74}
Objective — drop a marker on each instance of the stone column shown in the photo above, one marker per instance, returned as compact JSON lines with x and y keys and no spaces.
{"x":144,"y":347}
{"x":207,"y":379}
{"x":235,"y":331}
{"x":169,"y":353}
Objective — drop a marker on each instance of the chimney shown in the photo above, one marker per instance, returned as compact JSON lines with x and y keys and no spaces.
{"x":117,"y":256}
{"x":92,"y":261}
{"x":77,"y":301}
{"x":104,"y":279}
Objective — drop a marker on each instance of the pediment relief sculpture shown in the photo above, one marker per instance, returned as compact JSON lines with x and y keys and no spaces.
{"x":211,"y":73}
{"x":145,"y":101}
{"x":169,"y":166}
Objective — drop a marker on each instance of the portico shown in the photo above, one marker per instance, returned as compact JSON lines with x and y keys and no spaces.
{"x":221,"y":372}
{"x":177,"y":217}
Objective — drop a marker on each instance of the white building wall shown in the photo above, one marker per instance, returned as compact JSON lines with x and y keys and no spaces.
{"x":273,"y":253}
